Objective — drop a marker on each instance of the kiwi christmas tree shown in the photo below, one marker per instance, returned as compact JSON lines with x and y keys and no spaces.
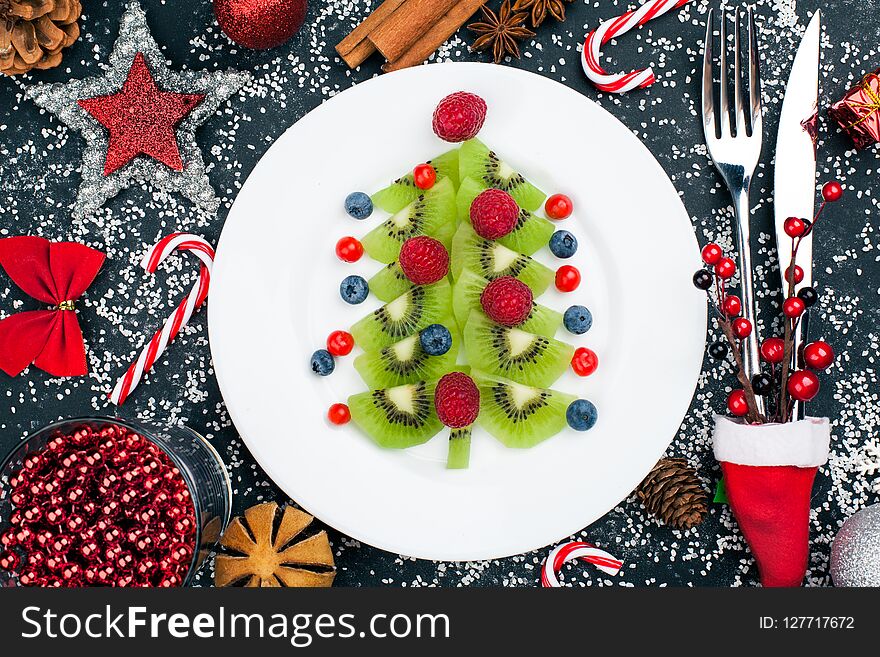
{"x":459,"y":283}
{"x":787,"y":377}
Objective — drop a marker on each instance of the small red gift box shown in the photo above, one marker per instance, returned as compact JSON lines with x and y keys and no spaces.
{"x":858,"y":112}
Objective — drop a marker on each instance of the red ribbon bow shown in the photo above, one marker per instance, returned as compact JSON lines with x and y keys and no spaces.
{"x":55,"y":273}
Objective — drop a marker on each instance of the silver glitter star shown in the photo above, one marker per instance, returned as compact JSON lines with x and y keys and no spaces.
{"x":61,"y":100}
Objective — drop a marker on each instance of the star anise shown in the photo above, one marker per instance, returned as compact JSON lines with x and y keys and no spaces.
{"x":540,"y":8}
{"x":501,"y":31}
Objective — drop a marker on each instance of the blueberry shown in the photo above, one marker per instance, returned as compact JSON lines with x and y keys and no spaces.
{"x":563,"y":244}
{"x":358,"y":205}
{"x":581,"y":415}
{"x":354,"y":289}
{"x":436,"y":340}
{"x":323,"y":363}
{"x":578,"y":320}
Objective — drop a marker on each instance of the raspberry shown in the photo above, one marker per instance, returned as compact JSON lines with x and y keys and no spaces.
{"x":459,"y":116}
{"x":494,"y":214}
{"x":423,"y":260}
{"x":457,"y":400}
{"x":507,"y":301}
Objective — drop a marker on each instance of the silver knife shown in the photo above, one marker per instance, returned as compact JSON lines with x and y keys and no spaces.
{"x":795,"y":173}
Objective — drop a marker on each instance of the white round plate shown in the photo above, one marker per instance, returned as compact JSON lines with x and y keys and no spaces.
{"x":274,"y":299}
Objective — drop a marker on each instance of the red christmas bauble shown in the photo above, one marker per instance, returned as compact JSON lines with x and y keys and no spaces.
{"x":803,"y":385}
{"x":819,"y":355}
{"x":260,"y":24}
{"x":736,"y":403}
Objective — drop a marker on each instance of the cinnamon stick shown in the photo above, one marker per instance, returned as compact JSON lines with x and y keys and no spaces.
{"x":405,"y":26}
{"x":436,"y":36}
{"x":356,"y":47}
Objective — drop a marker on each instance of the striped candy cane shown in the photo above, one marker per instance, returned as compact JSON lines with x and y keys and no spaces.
{"x":621,"y":82}
{"x":566,"y":552}
{"x":179,"y":318}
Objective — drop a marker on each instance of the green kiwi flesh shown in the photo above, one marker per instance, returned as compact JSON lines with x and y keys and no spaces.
{"x":397,"y":417}
{"x":477,"y":161}
{"x":459,"y":455}
{"x":403,"y":191}
{"x":389,"y":282}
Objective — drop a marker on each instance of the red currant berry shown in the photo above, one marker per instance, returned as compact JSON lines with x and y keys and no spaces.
{"x":742,"y":327}
{"x":773,"y":350}
{"x":725,"y":268}
{"x":339,"y":414}
{"x":794,"y":227}
{"x":424,"y":176}
{"x":348,"y":249}
{"x":832,"y":191}
{"x":732,"y":305}
{"x":819,"y":355}
{"x":584,"y":362}
{"x":340,"y":343}
{"x":798,"y":274}
{"x":712,"y":253}
{"x":558,"y":206}
{"x":803,"y":385}
{"x":793,"y":307}
{"x":567,"y":278}
{"x":736,"y":403}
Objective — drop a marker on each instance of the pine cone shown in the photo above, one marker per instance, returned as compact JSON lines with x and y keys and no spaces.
{"x":33,"y":33}
{"x":673,"y":493}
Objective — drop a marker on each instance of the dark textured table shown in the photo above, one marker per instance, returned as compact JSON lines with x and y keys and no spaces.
{"x":39,"y":175}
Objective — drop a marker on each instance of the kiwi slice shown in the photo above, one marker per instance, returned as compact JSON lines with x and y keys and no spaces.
{"x":406,"y":362}
{"x":397,"y":417}
{"x":492,"y":260}
{"x":459,"y":455}
{"x":389,"y":282}
{"x":527,"y":358}
{"x":519,"y":415}
{"x":477,"y":161}
{"x":413,"y":310}
{"x":466,"y":299}
{"x":403,"y":191}
{"x":431,"y":213}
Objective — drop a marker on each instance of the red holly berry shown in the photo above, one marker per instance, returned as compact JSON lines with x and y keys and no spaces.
{"x":507,"y":301}
{"x":348,"y":249}
{"x":424,"y":176}
{"x":819,"y":355}
{"x":423,"y":260}
{"x":793,"y":307}
{"x":584,"y":362}
{"x":712,"y":253}
{"x":736,"y":403}
{"x":725,"y":268}
{"x":742,"y":327}
{"x":457,"y":400}
{"x":567,"y":278}
{"x":803,"y":385}
{"x":558,"y":206}
{"x":798,"y":274}
{"x":340,"y":343}
{"x":339,"y":414}
{"x":832,"y":191}
{"x":494,"y":214}
{"x":732,"y":306}
{"x":773,"y":350}
{"x":459,"y":116}
{"x":794,"y":227}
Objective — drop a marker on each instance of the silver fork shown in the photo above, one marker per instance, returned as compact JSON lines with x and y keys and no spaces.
{"x":736,"y":155}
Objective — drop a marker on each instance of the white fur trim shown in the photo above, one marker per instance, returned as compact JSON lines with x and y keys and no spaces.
{"x":803,"y":443}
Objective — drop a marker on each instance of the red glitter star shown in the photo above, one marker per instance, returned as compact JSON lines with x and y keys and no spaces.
{"x":141,"y":119}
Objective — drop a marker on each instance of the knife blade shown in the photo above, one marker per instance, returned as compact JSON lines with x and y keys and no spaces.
{"x":795,"y":172}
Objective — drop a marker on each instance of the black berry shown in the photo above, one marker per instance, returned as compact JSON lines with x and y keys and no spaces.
{"x":762,"y":384}
{"x":702,"y":280}
{"x":718,"y":350}
{"x":808,"y":295}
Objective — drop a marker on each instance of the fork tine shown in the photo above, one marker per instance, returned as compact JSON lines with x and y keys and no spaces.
{"x":737,"y":78}
{"x":708,"y":92}
{"x":724,"y":106}
{"x":754,"y":77}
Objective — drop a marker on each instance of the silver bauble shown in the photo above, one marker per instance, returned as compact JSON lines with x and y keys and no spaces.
{"x":855,"y":553}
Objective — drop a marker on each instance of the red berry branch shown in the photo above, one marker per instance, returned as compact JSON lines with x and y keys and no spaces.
{"x":800,"y":385}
